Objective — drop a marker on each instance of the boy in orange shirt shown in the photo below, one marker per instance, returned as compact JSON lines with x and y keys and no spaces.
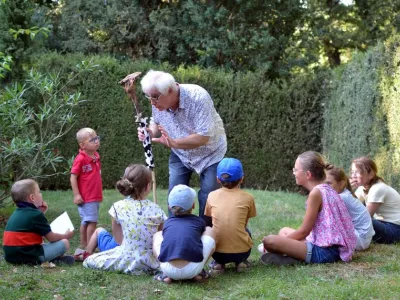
{"x":230,"y":209}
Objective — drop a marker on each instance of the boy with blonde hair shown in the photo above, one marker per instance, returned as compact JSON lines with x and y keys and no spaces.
{"x":230,"y":209}
{"x":24,"y":232}
{"x":87,"y":185}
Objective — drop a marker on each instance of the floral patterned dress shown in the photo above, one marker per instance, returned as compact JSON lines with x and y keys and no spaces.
{"x":333,"y":225}
{"x":139,"y":220}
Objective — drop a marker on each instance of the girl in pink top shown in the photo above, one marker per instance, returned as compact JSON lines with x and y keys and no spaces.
{"x":327,"y":232}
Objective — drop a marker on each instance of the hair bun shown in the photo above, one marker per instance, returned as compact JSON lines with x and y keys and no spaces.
{"x":127,"y":183}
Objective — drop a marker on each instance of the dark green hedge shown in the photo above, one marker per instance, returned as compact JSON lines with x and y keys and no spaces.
{"x":362,"y":115}
{"x":267,"y":124}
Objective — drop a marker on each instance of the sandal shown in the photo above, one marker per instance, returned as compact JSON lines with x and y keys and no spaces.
{"x":162,"y":277}
{"x":243,"y":266}
{"x":201,"y":277}
{"x":216,"y":268}
{"x":82,"y":256}
{"x":278,"y":259}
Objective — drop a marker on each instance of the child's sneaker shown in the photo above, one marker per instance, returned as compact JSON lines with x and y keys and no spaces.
{"x":82,"y":256}
{"x":261,"y":248}
{"x":216,"y":268}
{"x":65,"y":259}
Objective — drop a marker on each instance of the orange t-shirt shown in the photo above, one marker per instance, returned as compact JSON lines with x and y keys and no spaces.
{"x":230,"y":210}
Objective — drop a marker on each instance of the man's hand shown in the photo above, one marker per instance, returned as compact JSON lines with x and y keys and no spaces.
{"x":78,"y":199}
{"x":164,"y":139}
{"x":44,"y":207}
{"x":141,"y":134}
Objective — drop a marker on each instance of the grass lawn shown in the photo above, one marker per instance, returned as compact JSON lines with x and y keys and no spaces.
{"x":373,"y":274}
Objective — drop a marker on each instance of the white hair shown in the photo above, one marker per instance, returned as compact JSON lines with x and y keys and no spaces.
{"x":159,"y":80}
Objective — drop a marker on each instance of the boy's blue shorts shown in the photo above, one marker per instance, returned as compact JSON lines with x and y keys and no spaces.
{"x":105,"y":241}
{"x":89,"y":212}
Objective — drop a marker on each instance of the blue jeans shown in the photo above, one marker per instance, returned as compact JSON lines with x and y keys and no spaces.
{"x":179,"y":174}
{"x":319,"y":255}
{"x":385,"y":232}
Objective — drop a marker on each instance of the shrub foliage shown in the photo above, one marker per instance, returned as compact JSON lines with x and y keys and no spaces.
{"x":267,"y":123}
{"x":362,"y":112}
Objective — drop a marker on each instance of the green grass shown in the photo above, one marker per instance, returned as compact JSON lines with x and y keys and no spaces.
{"x":373,"y":274}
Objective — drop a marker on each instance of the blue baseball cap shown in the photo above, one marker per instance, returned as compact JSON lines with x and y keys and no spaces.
{"x":183,"y":196}
{"x":229,"y":169}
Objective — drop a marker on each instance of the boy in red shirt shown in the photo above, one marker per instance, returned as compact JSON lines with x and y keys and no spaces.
{"x":86,"y":185}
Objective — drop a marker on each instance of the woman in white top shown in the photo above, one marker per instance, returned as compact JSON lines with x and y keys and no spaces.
{"x":360,"y":216}
{"x":382,"y":201}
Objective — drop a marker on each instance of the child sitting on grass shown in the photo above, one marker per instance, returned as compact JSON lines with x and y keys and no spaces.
{"x":103,"y":240}
{"x":137,"y":219}
{"x":326,"y":234}
{"x":185,"y":244}
{"x":230,"y":209}
{"x":24,"y":232}
{"x":360,"y":216}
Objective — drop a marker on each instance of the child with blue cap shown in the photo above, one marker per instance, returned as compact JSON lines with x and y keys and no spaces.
{"x":185,"y":244}
{"x":230,"y":209}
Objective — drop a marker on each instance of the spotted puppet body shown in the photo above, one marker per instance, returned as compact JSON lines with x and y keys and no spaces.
{"x":148,"y":152}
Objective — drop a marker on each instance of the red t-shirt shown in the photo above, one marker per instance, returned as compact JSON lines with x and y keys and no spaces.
{"x":88,"y":170}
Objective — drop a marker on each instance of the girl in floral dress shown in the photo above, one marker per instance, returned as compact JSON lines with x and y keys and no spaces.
{"x":138,"y":219}
{"x":327,"y":232}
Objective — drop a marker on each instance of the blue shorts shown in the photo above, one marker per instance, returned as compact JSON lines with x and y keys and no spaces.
{"x":52,"y":251}
{"x":89,"y":212}
{"x":319,"y":255}
{"x":105,"y":241}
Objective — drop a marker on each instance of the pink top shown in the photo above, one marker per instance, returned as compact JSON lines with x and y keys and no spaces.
{"x":333,"y":225}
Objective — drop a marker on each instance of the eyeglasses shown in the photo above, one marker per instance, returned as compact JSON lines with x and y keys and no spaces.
{"x":93,"y":140}
{"x":296,"y":170}
{"x":151,"y":98}
{"x":355,"y":173}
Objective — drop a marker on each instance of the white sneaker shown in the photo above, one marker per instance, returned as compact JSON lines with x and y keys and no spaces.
{"x":261,"y":248}
{"x":79,"y":251}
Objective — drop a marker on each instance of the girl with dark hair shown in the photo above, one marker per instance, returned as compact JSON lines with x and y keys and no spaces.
{"x":382,"y":201}
{"x":137,"y":219}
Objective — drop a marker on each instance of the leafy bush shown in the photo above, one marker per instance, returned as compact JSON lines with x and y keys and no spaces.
{"x":361,"y":116}
{"x":33,"y":117}
{"x":267,"y":124}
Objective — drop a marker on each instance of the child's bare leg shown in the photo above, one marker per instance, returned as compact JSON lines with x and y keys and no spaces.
{"x":210,"y":232}
{"x":92,"y":245}
{"x":285,"y":231}
{"x":157,"y":240}
{"x":83,"y":236}
{"x":283,"y":245}
{"x":91,"y":227}
{"x":66,"y":243}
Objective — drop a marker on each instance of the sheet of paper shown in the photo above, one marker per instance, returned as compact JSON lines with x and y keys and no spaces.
{"x":61,"y":224}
